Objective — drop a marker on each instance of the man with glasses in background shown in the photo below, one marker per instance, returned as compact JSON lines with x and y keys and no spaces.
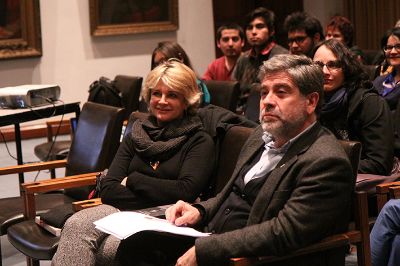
{"x":260,"y":34}
{"x":304,"y":33}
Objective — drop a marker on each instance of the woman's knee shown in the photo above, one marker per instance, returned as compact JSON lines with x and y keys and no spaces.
{"x":86,"y":217}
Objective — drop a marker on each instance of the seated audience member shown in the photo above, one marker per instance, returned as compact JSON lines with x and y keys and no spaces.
{"x":167,"y":157}
{"x":388,"y":85}
{"x":230,"y":39}
{"x":304,"y":33}
{"x":260,"y":34}
{"x":291,"y":187}
{"x":341,"y":29}
{"x":385,"y":236}
{"x":167,"y":50}
{"x":353,"y":110}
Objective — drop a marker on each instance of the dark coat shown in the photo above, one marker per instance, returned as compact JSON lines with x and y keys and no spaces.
{"x":367,"y":120}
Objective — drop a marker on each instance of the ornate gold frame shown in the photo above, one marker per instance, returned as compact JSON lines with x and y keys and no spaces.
{"x":30,"y":43}
{"x":98,"y":29}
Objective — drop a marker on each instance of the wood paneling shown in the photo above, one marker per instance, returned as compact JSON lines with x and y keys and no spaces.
{"x":371,"y":19}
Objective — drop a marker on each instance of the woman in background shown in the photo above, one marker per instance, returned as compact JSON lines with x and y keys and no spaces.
{"x":388,"y":85}
{"x":341,"y":29}
{"x":166,"y":158}
{"x":353,"y":110}
{"x":166,"y":50}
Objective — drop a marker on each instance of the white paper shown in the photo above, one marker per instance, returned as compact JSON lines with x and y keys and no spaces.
{"x":124,"y":224}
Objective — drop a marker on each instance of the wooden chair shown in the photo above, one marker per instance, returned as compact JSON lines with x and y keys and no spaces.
{"x":224,"y":93}
{"x":386,"y":191}
{"x":358,"y":236}
{"x":93,"y":147}
{"x":130,"y":88}
{"x":52,"y":149}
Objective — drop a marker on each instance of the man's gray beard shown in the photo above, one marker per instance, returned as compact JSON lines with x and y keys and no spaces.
{"x":285,"y":130}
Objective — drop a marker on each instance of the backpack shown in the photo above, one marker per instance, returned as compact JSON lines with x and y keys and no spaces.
{"x":103,"y":91}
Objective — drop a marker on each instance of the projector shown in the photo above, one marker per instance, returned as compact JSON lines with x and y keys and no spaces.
{"x":25,"y":96}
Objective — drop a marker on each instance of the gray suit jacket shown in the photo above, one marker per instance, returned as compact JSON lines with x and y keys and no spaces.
{"x":305,"y":198}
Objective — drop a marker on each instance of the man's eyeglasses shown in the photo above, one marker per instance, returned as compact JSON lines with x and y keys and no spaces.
{"x":388,"y":48}
{"x":298,"y":40}
{"x":330,"y":65}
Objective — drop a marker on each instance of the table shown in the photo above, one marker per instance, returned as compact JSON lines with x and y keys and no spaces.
{"x":17,"y":116}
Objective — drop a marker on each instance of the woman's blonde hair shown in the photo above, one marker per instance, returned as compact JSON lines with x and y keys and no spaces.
{"x":178,"y":77}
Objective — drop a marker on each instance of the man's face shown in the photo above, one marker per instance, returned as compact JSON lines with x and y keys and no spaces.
{"x":300,"y":43}
{"x":284,"y":111}
{"x":257,"y":32}
{"x":230,"y":43}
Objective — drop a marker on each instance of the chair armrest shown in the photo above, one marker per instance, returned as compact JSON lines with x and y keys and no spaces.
{"x":331,"y":242}
{"x":30,"y":189}
{"x":383,"y":193}
{"x":31,"y":167}
{"x":394,"y":191}
{"x":85,"y":204}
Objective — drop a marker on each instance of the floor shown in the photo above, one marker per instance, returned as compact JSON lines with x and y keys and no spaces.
{"x":9,"y":188}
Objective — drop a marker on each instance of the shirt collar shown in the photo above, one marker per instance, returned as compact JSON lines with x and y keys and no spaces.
{"x":265,"y":51}
{"x":269,"y":140}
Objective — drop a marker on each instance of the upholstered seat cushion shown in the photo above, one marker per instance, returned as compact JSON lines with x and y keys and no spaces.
{"x":33,"y":240}
{"x":59,"y":151}
{"x":12,"y":208}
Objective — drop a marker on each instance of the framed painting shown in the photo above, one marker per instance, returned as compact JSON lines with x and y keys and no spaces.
{"x":116,"y":17}
{"x":20,"y":34}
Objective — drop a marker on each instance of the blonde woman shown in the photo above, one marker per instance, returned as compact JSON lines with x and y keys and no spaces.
{"x":166,"y":158}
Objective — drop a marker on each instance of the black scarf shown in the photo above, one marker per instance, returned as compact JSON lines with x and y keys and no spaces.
{"x":159,"y":143}
{"x":335,"y":105}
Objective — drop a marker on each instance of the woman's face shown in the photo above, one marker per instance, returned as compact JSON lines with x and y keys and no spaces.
{"x":166,"y":104}
{"x":393,"y":55}
{"x":331,"y":66}
{"x":334,"y":33}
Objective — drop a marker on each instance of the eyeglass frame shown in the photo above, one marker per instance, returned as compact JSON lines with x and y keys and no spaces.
{"x":333,"y":65}
{"x":389,"y":48}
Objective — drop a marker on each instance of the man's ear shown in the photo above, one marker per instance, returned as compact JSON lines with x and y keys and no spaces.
{"x":312,"y":102}
{"x":218,"y":45}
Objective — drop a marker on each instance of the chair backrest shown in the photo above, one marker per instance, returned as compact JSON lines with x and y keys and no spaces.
{"x":130,"y":87}
{"x":224,"y":93}
{"x":230,"y":148}
{"x":353,"y":151}
{"x":132,"y":117}
{"x":252,"y":111}
{"x":95,"y":142}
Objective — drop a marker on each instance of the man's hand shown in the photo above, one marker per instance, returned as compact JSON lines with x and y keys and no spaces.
{"x":187,"y":259}
{"x":182,"y":213}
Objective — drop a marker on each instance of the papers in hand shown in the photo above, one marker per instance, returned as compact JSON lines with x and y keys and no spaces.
{"x":124,"y":224}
